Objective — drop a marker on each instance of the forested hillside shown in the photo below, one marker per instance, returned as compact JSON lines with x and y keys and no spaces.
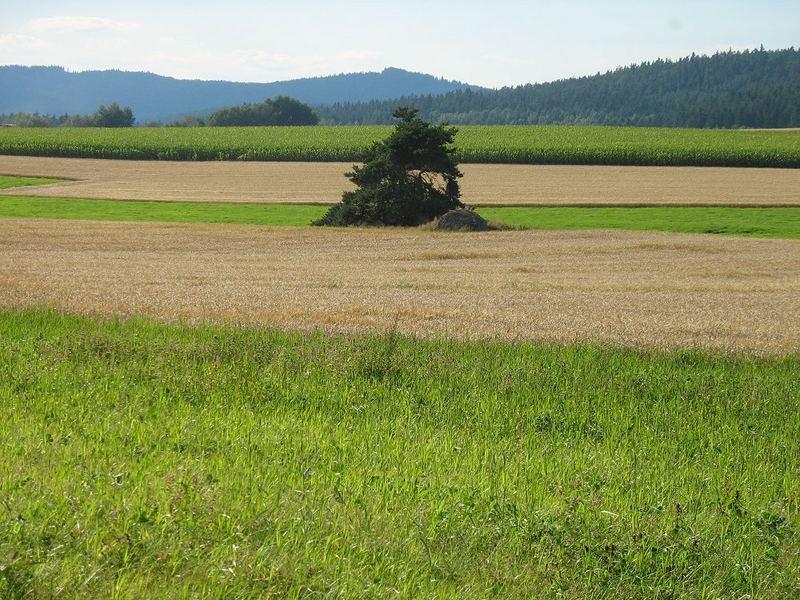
{"x":730,"y":89}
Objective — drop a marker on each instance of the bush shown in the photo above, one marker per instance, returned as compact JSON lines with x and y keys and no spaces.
{"x":114,"y":116}
{"x":281,"y":110}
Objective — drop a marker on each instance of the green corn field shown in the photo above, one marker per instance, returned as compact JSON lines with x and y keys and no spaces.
{"x":476,"y":144}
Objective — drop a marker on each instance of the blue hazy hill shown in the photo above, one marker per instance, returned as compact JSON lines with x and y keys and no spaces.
{"x":53,"y":90}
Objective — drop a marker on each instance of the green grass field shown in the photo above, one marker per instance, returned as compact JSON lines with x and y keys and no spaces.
{"x":493,"y":144}
{"x":8,"y":181}
{"x":757,"y":222}
{"x":140,"y":460}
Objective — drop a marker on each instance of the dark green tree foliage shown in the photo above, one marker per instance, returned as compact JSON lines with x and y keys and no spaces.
{"x":408,"y":179}
{"x":757,"y":88}
{"x":114,"y":116}
{"x":281,"y":110}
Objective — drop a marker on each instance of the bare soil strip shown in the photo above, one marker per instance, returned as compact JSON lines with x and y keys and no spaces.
{"x":489,"y":185}
{"x":631,"y":288}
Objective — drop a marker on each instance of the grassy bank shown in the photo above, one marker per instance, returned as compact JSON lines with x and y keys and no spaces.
{"x":551,"y":144}
{"x":756,"y":222}
{"x":146,"y":460}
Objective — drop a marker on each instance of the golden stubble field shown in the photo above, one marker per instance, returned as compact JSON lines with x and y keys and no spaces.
{"x":632,"y":288}
{"x":266,"y":182}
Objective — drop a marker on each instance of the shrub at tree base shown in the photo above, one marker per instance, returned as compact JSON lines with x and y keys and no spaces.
{"x":408,"y":179}
{"x":462,"y":219}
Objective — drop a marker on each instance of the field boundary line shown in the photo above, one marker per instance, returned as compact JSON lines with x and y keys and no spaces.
{"x":9,"y":192}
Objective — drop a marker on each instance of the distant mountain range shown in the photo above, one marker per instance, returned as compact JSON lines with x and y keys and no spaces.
{"x":53,"y":90}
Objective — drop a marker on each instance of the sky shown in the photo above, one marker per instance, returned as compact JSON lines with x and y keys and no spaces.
{"x":504,"y":42}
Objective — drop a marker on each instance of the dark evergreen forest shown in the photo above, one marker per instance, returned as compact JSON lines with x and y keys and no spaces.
{"x":756,"y":88}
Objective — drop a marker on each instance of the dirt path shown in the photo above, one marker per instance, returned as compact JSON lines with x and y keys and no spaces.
{"x":482,"y":184}
{"x":641,"y":289}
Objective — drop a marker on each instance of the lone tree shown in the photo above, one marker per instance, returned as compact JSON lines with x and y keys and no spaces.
{"x":408,"y":179}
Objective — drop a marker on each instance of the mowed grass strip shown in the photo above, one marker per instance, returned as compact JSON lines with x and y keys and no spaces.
{"x":10,"y":181}
{"x":753,"y":222}
{"x":541,"y":144}
{"x":166,"y":212}
{"x":147,"y":460}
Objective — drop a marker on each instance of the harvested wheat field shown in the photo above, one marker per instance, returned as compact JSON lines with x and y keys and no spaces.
{"x":490,"y":185}
{"x":639,"y":289}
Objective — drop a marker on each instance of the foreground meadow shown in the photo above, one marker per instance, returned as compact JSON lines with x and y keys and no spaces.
{"x":147,"y":460}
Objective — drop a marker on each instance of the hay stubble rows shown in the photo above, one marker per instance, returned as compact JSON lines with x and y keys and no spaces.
{"x":632,"y":288}
{"x":483,"y":184}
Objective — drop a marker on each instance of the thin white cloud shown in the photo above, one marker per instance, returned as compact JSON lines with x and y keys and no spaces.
{"x":249,"y":64}
{"x":275,"y":60}
{"x":79,"y":24}
{"x":18,"y":41}
{"x":506,"y":60}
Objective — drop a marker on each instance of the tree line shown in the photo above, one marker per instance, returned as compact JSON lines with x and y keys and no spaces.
{"x":112,"y":115}
{"x":281,"y":110}
{"x":757,"y":88}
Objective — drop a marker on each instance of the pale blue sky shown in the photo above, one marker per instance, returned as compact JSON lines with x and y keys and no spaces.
{"x":487,"y":43}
